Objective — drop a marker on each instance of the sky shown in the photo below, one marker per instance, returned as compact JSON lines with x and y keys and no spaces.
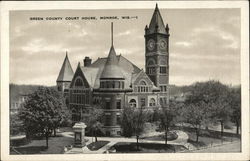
{"x":204,"y":43}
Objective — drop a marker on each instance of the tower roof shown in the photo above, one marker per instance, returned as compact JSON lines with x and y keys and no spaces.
{"x":111,"y":68}
{"x":156,"y":23}
{"x":66,"y":72}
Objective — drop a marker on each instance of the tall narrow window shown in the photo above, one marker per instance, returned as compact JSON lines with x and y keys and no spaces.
{"x":118,"y":104}
{"x":152,"y":102}
{"x":163,"y":70}
{"x":118,"y":119}
{"x":143,"y":102}
{"x":78,"y":82}
{"x":107,"y":106}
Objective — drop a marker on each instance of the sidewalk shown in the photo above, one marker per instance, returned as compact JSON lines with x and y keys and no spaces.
{"x":181,"y":140}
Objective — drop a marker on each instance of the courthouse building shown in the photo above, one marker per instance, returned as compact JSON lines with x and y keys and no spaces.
{"x":114,"y":82}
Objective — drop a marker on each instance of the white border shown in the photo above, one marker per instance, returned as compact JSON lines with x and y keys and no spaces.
{"x":28,"y":5}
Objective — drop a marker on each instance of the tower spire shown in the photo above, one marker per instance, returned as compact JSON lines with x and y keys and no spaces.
{"x":112,"y":43}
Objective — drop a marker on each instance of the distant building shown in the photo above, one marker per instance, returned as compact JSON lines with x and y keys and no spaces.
{"x":114,"y":82}
{"x":16,"y":104}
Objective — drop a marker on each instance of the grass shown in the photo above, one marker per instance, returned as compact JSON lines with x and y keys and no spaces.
{"x":171,"y":136}
{"x":126,"y":147}
{"x":206,"y":140}
{"x":97,"y":145}
{"x":56,"y":146}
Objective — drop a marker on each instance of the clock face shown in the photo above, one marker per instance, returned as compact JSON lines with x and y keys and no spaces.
{"x":151,"y":44}
{"x":163,"y":44}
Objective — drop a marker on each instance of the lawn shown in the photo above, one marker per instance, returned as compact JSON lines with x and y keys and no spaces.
{"x":171,"y":136}
{"x":56,"y":146}
{"x":126,"y":147}
{"x":206,"y":140}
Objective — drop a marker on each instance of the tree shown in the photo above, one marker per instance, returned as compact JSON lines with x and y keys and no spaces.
{"x":133,"y":120}
{"x":196,"y":116}
{"x":42,"y":112}
{"x":167,"y":117}
{"x":93,"y":120}
{"x":127,"y":121}
{"x":235,"y":103}
{"x":15,"y":124}
{"x":214,"y":96}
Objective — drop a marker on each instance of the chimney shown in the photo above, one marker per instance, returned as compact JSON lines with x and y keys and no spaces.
{"x":87,"y":61}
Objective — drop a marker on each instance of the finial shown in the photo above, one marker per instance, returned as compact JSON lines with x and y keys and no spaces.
{"x":78,"y":64}
{"x":112,"y":34}
{"x":156,"y":6}
{"x":66,"y":53}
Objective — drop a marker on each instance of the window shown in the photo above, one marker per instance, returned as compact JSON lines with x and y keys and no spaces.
{"x":161,"y":101}
{"x":107,"y":120}
{"x":143,"y":102}
{"x":59,"y":88}
{"x":102,"y":84}
{"x":143,"y":83}
{"x":142,"y":87}
{"x":118,"y":104}
{"x":78,"y":82}
{"x":132,"y":103}
{"x":151,"y":62}
{"x":163,"y":88}
{"x":151,"y":70}
{"x":152,"y":102}
{"x":163,"y":70}
{"x":107,"y":105}
{"x":118,"y":119}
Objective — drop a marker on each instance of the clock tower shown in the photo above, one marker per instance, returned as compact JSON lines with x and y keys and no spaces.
{"x":157,"y":54}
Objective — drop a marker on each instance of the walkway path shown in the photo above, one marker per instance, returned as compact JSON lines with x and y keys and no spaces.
{"x":181,"y":140}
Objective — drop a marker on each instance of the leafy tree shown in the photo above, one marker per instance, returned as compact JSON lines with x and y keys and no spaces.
{"x":235,"y":103}
{"x":93,"y":120}
{"x":167,"y":117}
{"x":127,"y":121}
{"x":133,"y":121}
{"x":196,"y":116}
{"x":42,"y":112}
{"x":15,"y":124}
{"x":214,"y":96}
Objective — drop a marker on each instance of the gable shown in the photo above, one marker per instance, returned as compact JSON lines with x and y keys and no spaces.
{"x":142,"y":77}
{"x":79,"y":74}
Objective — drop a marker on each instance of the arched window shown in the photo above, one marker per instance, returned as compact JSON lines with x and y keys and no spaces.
{"x":151,"y":62}
{"x":152,"y":102}
{"x":143,"y":83}
{"x":78,"y":82}
{"x":143,"y":87}
{"x":132,"y":103}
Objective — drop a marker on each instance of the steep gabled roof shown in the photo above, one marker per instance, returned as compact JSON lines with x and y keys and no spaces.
{"x":90,"y":75}
{"x":111,"y":68}
{"x":156,"y":24}
{"x":66,"y":72}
